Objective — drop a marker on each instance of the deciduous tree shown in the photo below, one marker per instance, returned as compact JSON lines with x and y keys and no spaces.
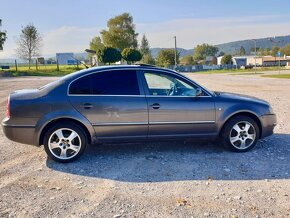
{"x":204,"y":50}
{"x":166,"y":58}
{"x":121,"y":32}
{"x":29,"y":43}
{"x":109,"y":55}
{"x":96,"y":44}
{"x":286,"y":50}
{"x":242,"y":51}
{"x":131,"y":55}
{"x":227,"y":59}
{"x":2,"y":37}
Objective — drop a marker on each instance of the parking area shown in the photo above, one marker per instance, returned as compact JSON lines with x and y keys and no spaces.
{"x":160,"y":179}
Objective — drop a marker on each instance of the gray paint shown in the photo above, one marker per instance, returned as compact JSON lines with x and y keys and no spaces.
{"x":127,"y":118}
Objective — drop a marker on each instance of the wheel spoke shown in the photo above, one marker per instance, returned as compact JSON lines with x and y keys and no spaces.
{"x":243,"y":144}
{"x":251,"y":137}
{"x":237,"y":128}
{"x":54,"y":145}
{"x":72,"y":136}
{"x":59,"y":134}
{"x":247,"y":127}
{"x":63,"y":153}
{"x":234,"y":139}
{"x":74,"y":148}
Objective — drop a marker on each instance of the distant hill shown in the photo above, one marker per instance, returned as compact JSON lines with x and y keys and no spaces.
{"x":234,"y":47}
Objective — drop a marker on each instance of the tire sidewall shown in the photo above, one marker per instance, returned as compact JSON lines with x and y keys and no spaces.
{"x":227,"y":130}
{"x":72,"y":126}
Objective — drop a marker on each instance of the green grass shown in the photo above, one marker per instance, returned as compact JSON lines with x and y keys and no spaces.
{"x":279,"y":76}
{"x":50,"y":70}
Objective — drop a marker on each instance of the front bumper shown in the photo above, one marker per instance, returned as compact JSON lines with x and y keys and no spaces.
{"x":24,"y":134}
{"x":268,"y":122}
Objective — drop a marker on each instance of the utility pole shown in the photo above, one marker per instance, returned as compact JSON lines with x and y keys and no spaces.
{"x":255,"y":43}
{"x":175,"y":57}
{"x":275,"y":43}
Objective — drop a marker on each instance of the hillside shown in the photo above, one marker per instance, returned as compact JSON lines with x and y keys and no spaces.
{"x":234,"y":47}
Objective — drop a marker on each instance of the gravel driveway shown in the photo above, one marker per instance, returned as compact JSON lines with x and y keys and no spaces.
{"x":164,"y":179}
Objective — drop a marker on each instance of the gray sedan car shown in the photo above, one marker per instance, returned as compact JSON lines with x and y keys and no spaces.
{"x":131,"y":103}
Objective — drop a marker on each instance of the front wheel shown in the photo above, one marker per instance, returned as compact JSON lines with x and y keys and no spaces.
{"x":241,"y":133}
{"x":65,"y":142}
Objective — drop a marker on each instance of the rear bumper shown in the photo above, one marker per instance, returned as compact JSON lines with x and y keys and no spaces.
{"x":24,"y":134}
{"x":268,"y":122}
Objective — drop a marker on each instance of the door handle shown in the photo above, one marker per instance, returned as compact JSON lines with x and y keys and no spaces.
{"x":155,"y":106}
{"x":87,"y":106}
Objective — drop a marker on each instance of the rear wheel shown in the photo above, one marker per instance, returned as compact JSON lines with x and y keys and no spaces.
{"x":241,"y":133}
{"x":65,"y":142}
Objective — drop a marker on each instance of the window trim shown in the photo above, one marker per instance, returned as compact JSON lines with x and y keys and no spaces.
{"x":141,"y":90}
{"x":180,"y":77}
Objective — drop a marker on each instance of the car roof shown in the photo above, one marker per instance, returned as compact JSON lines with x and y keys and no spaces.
{"x":100,"y":68}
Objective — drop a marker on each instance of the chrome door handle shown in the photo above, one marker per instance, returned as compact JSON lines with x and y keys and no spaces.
{"x":87,"y":106}
{"x":155,"y":106}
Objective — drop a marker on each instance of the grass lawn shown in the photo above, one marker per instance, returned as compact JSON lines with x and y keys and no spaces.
{"x":280,"y":76}
{"x":49,"y":70}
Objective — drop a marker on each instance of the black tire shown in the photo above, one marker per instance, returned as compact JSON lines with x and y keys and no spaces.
{"x":62,"y":149}
{"x":240,"y":141}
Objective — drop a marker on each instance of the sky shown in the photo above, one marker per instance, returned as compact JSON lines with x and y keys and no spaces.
{"x":69,"y":25}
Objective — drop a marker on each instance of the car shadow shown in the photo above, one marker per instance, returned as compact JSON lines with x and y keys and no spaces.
{"x":179,"y":161}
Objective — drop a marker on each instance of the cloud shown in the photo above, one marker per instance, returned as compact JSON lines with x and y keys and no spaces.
{"x":191,"y":32}
{"x":68,"y":39}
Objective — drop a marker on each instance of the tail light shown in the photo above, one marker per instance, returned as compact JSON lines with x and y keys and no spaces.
{"x":8,"y":108}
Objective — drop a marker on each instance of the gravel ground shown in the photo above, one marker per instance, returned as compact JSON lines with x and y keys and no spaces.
{"x":166,"y":179}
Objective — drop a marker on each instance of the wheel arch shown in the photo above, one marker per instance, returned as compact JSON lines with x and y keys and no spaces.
{"x":243,"y":113}
{"x":64,"y":120}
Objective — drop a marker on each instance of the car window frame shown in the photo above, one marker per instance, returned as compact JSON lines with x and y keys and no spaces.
{"x":139,"y":81}
{"x":172,"y":74}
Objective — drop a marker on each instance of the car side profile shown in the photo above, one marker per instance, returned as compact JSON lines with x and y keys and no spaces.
{"x":131,"y":103}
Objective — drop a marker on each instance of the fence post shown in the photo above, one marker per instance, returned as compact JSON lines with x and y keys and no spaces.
{"x":16,"y":65}
{"x":57,"y":65}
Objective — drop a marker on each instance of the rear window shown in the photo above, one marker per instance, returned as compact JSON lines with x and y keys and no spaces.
{"x":116,"y":82}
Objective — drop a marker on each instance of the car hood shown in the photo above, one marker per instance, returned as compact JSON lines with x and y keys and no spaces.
{"x":239,"y":97}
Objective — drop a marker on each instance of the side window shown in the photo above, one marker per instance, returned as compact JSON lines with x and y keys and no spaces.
{"x":160,"y":84}
{"x":115,"y":82}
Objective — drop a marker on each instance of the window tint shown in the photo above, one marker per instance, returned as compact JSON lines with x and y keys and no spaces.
{"x":164,"y":84}
{"x":116,"y":82}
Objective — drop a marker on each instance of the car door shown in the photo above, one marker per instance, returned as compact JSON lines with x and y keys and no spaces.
{"x":174,"y":108}
{"x":113,"y":102}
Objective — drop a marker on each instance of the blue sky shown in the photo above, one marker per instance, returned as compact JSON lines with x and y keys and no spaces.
{"x":68,"y":26}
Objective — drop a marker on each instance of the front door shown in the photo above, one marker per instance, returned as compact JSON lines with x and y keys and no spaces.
{"x":112,"y":101}
{"x":174,"y":108}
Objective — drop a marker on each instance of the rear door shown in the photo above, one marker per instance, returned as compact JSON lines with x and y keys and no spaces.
{"x":113,"y":102}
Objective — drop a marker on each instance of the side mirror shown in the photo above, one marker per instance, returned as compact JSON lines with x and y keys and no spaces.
{"x":198,"y":92}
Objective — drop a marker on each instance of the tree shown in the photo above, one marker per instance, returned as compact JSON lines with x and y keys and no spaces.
{"x":221,"y":54}
{"x":242,"y":51}
{"x":148,"y":59}
{"x":274,"y":51}
{"x":121,"y":32}
{"x":96,"y":44}
{"x":109,"y":55}
{"x":187,"y":60}
{"x":144,"y":47}
{"x":286,"y":50}
{"x":204,"y":50}
{"x":131,"y":55}
{"x":227,"y":59}
{"x":2,"y":37}
{"x":29,"y":43}
{"x":166,"y":57}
